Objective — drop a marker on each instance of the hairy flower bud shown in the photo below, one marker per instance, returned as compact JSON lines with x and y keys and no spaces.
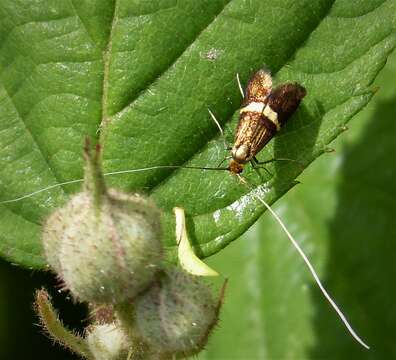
{"x":104,"y":244}
{"x":107,"y":342}
{"x":175,"y":316}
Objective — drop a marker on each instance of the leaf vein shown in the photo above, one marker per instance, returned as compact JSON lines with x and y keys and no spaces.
{"x":165,"y":69}
{"x":358,"y":16}
{"x":106,"y":68}
{"x":17,"y":26}
{"x":82,"y":22}
{"x":33,"y":138}
{"x":389,"y":35}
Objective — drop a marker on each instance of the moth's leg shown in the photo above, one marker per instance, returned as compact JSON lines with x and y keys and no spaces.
{"x":226,"y":158}
{"x":257,"y":162}
{"x":256,"y":166}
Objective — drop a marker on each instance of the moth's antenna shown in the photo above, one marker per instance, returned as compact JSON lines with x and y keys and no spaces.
{"x":129,"y":171}
{"x":216,"y":122}
{"x":310,"y":267}
{"x":165,"y":167}
{"x":220,"y":129}
{"x":239,"y":85}
{"x":41,"y":190}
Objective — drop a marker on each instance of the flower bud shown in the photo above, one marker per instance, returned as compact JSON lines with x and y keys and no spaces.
{"x":104,"y":244}
{"x":107,"y":342}
{"x":175,"y":316}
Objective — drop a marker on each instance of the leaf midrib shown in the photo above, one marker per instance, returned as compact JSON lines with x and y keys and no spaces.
{"x":106,"y":68}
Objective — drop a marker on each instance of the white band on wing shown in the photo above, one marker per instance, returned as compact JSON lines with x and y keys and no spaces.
{"x":272,"y":116}
{"x":256,"y":107}
{"x":261,"y":108}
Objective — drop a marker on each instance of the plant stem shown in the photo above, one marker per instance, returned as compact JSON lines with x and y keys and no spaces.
{"x":53,"y":325}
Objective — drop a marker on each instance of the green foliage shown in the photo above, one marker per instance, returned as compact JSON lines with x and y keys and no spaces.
{"x":343,"y":215}
{"x":139,"y":77}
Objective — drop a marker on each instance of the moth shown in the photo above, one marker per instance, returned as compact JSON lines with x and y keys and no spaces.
{"x":263,"y":113}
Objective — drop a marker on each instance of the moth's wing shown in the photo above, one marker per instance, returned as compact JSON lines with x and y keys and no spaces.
{"x":284,"y":100}
{"x":259,"y":87}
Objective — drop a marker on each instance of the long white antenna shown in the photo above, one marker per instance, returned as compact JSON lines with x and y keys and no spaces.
{"x":216,"y":122}
{"x":312,"y":270}
{"x":41,"y":190}
{"x":81,"y":180}
{"x":129,"y":171}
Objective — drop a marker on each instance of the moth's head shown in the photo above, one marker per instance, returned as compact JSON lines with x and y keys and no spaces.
{"x":235,"y":167}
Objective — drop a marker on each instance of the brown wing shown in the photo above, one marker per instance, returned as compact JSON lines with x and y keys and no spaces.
{"x":259,"y":87}
{"x":253,"y":131}
{"x":284,"y":100}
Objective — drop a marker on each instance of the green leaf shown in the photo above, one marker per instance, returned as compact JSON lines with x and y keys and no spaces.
{"x":139,"y":76}
{"x":343,"y":215}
